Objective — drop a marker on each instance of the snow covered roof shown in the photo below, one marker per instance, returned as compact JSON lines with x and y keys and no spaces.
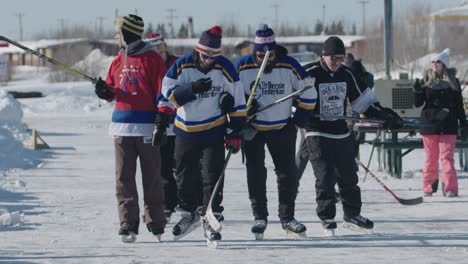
{"x":37,"y":44}
{"x":452,"y":11}
{"x":190,"y":42}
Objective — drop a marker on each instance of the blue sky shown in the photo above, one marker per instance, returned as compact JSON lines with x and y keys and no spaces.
{"x":46,"y":15}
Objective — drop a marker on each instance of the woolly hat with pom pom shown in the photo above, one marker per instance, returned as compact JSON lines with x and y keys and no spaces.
{"x":210,"y":42}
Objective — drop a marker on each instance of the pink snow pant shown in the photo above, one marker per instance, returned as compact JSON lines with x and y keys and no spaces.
{"x":443,"y":147}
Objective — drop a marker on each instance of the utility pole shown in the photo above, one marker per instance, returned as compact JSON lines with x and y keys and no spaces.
{"x":363,"y":2}
{"x":62,"y":27}
{"x":100,"y":19}
{"x":323,"y":19}
{"x":116,"y":15}
{"x":171,"y":20}
{"x":136,"y":11}
{"x":20,"y":20}
{"x":276,"y":6}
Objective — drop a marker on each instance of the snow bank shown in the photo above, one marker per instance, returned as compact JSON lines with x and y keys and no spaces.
{"x":12,"y":136}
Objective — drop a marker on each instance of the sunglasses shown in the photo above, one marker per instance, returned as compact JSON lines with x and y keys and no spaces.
{"x":337,"y":58}
{"x":208,"y":57}
{"x":437,"y":61}
{"x":262,"y":55}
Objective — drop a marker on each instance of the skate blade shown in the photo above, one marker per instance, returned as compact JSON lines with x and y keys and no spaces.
{"x":258,"y":236}
{"x":328,"y":232}
{"x":188,"y":231}
{"x":358,"y":229}
{"x":296,"y":235}
{"x":129,"y":239}
{"x":212,"y":243}
{"x":158,"y":238}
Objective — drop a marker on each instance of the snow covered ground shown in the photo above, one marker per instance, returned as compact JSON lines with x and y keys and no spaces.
{"x":66,"y":194}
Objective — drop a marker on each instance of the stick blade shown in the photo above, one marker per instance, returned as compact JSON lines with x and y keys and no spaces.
{"x":413,"y":201}
{"x":212,"y":220}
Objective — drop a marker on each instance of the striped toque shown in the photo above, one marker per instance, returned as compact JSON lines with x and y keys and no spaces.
{"x":131,"y":27}
{"x":210,"y":42}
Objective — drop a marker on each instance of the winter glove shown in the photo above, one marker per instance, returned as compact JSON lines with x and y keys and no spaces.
{"x":392,"y":119}
{"x":102,"y":90}
{"x":159,"y":132}
{"x":201,"y":85}
{"x":463,"y":133}
{"x":418,"y":88}
{"x":233,"y":142}
{"x":252,"y":108}
{"x":226,"y":102}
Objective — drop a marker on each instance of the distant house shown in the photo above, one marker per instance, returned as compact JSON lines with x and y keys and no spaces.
{"x":444,"y":25}
{"x":239,"y":46}
{"x":67,"y":51}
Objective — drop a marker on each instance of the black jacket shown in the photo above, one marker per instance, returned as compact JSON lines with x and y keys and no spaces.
{"x":334,"y":90}
{"x":437,"y":97}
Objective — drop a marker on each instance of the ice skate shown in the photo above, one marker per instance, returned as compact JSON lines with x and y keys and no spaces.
{"x":294,"y":227}
{"x":127,"y":235}
{"x":157,"y":231}
{"x":329,"y":227}
{"x":359,"y":224}
{"x":212,"y":237}
{"x":188,"y":223}
{"x":258,"y":228}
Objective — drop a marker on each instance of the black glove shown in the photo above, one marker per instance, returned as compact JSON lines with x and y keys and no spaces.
{"x":252,"y":108}
{"x":226,"y":102}
{"x":463,"y":133}
{"x":102,"y":90}
{"x":392,"y":119}
{"x":159,"y":132}
{"x":417,"y":86}
{"x":201,"y":85}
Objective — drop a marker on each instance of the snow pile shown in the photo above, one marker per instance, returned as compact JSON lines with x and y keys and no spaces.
{"x":11,"y":219}
{"x":12,"y":136}
{"x":95,"y":64}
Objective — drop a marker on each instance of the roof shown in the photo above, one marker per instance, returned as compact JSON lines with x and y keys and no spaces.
{"x":452,"y":11}
{"x":38,"y":44}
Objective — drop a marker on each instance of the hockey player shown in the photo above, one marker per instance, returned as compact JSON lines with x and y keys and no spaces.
{"x":134,"y":81}
{"x":328,"y":139}
{"x":205,"y":89}
{"x":275,"y":127}
{"x":167,"y":147}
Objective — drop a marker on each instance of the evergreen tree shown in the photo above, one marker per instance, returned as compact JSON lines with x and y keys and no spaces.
{"x":318,"y":27}
{"x":354,"y":30}
{"x":183,"y":31}
{"x":161,"y":30}
{"x":149,"y":29}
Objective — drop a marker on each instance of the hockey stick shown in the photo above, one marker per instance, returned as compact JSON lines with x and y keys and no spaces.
{"x":44,"y":57}
{"x":209,"y":215}
{"x":248,"y":132}
{"x":368,"y":120}
{"x":257,"y":80}
{"x":402,"y":201}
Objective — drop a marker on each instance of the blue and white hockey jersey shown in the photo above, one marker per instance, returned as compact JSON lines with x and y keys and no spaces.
{"x":286,"y":77}
{"x":199,"y":118}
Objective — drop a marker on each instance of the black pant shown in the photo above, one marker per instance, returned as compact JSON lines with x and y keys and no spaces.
{"x":187,"y":157}
{"x":282,"y":147}
{"x":167,"y":172}
{"x":333,"y":163}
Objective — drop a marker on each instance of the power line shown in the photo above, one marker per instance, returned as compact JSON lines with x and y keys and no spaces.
{"x":276,"y":6}
{"x":363,"y":2}
{"x":20,"y":21}
{"x":171,"y":20}
{"x":100,"y":19}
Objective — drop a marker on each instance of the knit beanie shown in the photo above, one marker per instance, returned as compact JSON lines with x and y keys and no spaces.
{"x":131,"y":27}
{"x":264,"y":39}
{"x":210,"y":42}
{"x":444,"y":57}
{"x":156,"y":41}
{"x":333,"y":46}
